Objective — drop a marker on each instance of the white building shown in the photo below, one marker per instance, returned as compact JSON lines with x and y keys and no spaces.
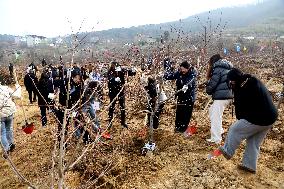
{"x":33,"y":40}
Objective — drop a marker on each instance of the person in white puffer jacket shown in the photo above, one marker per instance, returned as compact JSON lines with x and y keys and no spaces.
{"x":7,"y":111}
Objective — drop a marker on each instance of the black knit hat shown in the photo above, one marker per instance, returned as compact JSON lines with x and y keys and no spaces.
{"x":185,"y":64}
{"x":235,"y":75}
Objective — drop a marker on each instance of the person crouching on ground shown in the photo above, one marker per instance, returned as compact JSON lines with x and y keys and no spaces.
{"x":255,"y":112}
{"x":155,"y":104}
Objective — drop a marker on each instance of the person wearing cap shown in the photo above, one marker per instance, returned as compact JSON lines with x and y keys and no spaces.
{"x":255,"y":113}
{"x":116,"y":80}
{"x":221,"y":94}
{"x":186,"y":85}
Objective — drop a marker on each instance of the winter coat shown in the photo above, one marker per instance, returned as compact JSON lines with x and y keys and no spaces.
{"x":44,"y":88}
{"x":7,"y":106}
{"x":190,"y":95}
{"x":30,"y":82}
{"x":253,"y":102}
{"x":218,"y":85}
{"x":74,"y":92}
{"x":115,"y":86}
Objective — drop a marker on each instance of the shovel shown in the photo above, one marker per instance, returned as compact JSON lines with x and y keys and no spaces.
{"x":28,"y":127}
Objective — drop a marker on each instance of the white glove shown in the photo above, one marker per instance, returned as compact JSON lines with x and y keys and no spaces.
{"x":118,"y":69}
{"x":95,"y":105}
{"x":117,"y":79}
{"x":51,"y":96}
{"x":74,"y":114}
{"x":184,"y":88}
{"x":163,"y":97}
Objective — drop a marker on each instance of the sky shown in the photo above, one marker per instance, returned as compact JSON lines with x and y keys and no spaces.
{"x":51,"y":18}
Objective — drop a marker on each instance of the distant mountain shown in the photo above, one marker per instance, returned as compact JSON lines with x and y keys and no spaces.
{"x":265,"y":17}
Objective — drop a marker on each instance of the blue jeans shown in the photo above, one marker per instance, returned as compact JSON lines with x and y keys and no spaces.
{"x":7,"y":132}
{"x":92,"y":113}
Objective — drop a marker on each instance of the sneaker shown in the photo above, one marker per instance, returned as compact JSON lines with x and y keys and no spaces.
{"x":213,"y":141}
{"x":12,"y":147}
{"x":244,"y":168}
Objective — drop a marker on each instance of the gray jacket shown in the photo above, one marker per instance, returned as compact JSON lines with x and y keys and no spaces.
{"x":217,"y":86}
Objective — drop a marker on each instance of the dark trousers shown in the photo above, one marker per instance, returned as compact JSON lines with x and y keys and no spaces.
{"x":121,"y":99}
{"x":32,"y":95}
{"x":156,"y":115}
{"x":43,"y":115}
{"x":183,"y":115}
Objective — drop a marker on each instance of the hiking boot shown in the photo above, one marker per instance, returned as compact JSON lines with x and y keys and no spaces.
{"x":244,"y":168}
{"x":12,"y":147}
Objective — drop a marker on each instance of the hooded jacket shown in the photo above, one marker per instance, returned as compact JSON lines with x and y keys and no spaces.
{"x":217,"y":86}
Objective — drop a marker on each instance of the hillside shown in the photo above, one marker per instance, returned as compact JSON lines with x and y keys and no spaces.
{"x":265,"y":17}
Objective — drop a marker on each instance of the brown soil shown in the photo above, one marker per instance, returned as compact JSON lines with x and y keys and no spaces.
{"x":178,"y":162}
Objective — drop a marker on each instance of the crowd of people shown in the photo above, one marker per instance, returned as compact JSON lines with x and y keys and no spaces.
{"x":81,"y":90}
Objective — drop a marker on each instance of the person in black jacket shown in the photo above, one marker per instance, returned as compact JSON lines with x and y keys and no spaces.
{"x":221,"y":94}
{"x":44,"y":87}
{"x":116,"y":80}
{"x":75,"y":91}
{"x":30,"y":82}
{"x":186,"y":84}
{"x":256,"y":114}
